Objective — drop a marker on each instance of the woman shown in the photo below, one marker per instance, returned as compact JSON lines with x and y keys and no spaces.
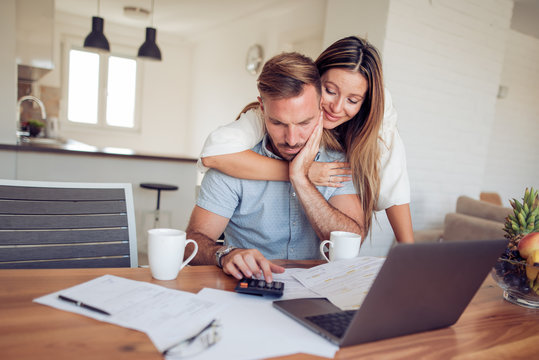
{"x":355,"y":121}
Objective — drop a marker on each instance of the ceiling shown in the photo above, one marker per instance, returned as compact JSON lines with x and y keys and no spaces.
{"x":179,"y":17}
{"x":190,"y":17}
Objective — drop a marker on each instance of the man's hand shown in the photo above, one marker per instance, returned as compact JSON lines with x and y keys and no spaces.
{"x":248,"y":262}
{"x":300,"y":165}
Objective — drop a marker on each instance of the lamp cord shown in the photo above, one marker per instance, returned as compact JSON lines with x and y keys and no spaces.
{"x":152,"y":12}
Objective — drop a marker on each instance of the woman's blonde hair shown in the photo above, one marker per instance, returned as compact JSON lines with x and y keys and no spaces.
{"x":358,"y":137}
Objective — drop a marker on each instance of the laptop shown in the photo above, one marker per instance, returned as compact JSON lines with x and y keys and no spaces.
{"x":420,"y":287}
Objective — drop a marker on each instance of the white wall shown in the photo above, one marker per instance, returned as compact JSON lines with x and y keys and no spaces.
{"x":443,"y":62}
{"x":513,"y":156}
{"x":221,"y":85}
{"x":8,"y":72}
{"x":165,"y":99}
{"x":365,"y":18}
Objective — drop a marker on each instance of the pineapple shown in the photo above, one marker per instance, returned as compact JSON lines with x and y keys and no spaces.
{"x":523,"y":220}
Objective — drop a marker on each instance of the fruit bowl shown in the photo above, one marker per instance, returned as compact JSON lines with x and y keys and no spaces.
{"x":511,"y":277}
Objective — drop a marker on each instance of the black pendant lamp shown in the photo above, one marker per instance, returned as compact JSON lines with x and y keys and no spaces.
{"x":149,"y":49}
{"x":96,"y":39}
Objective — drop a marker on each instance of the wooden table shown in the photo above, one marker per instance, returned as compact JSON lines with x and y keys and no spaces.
{"x":490,"y":328}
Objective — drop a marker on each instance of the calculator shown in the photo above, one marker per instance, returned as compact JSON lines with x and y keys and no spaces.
{"x":260,"y":287}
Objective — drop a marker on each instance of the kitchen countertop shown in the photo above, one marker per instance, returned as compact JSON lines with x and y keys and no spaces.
{"x":76,"y":147}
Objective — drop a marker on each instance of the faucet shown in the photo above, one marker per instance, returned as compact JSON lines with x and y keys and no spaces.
{"x":20,"y":132}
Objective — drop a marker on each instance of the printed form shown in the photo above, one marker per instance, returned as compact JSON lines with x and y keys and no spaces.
{"x":345,"y":282}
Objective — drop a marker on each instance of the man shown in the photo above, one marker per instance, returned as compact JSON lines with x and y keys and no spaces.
{"x":272,"y":219}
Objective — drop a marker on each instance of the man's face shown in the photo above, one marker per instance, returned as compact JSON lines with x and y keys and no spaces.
{"x":290,"y":122}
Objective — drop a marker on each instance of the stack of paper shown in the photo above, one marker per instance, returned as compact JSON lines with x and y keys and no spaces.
{"x":167,"y":316}
{"x":251,"y":326}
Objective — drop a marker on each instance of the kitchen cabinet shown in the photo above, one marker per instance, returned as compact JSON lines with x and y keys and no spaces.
{"x":27,"y":163}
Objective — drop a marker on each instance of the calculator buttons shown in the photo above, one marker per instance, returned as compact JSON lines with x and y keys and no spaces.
{"x":260,"y":287}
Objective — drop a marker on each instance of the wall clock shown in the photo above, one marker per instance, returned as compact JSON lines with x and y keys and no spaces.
{"x":255,"y":56}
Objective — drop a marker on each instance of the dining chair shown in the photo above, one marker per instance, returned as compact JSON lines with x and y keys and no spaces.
{"x":66,"y":225}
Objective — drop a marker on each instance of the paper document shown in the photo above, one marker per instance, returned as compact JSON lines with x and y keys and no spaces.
{"x":254,"y":329}
{"x":293,"y":289}
{"x":167,"y":316}
{"x":345,"y":282}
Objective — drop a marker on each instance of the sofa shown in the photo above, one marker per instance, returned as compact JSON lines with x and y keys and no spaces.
{"x":472,"y":220}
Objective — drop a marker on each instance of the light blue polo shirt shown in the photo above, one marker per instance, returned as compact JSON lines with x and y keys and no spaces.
{"x":266,"y":215}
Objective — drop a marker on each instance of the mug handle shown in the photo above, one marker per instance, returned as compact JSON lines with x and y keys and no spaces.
{"x":192,"y":254}
{"x":322,"y":244}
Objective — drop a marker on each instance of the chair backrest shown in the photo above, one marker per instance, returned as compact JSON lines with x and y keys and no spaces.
{"x":66,"y":225}
{"x":491,"y":197}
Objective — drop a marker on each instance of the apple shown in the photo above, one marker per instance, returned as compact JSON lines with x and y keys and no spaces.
{"x":528,"y":244}
{"x":532,"y":270}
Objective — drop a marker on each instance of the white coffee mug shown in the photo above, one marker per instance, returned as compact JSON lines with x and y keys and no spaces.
{"x":342,"y":245}
{"x":165,"y":252}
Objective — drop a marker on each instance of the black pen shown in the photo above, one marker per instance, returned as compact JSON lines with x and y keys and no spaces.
{"x":82,"y":305}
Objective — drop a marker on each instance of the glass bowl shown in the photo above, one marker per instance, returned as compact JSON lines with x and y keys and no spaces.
{"x":511,"y":277}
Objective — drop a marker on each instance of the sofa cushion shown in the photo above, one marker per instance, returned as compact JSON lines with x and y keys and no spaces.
{"x":482,"y":209}
{"x":429,"y":235}
{"x":458,"y":227}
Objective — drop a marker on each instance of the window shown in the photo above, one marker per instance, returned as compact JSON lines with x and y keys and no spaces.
{"x":102,"y":89}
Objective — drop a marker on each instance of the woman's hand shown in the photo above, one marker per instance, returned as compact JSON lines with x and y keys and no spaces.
{"x":331,"y":174}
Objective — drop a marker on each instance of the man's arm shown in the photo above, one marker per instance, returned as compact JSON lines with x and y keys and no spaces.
{"x":341,"y":212}
{"x":205,"y":227}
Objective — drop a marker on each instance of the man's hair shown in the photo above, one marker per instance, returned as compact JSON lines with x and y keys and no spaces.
{"x":284,"y":76}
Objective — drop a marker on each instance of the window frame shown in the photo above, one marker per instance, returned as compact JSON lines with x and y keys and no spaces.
{"x":72,"y":43}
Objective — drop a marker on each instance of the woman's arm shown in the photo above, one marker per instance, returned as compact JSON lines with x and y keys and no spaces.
{"x":394,"y":183}
{"x":253,"y":166}
{"x":235,"y":137}
{"x":249,"y":165}
{"x":226,"y":150}
{"x":401,"y":222}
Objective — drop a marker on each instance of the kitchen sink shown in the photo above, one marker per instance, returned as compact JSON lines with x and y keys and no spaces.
{"x":45,"y":141}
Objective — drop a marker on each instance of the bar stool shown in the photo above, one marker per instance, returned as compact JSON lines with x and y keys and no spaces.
{"x":152,"y":219}
{"x":159,"y":188}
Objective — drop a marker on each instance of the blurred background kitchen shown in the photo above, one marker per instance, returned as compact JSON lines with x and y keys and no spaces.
{"x":464,"y":76}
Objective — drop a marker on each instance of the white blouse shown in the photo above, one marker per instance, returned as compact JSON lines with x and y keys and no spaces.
{"x":248,"y":130}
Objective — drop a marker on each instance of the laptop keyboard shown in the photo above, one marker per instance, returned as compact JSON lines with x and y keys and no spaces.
{"x":334,"y":323}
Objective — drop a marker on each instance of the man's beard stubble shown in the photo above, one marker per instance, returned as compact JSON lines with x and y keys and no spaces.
{"x":274,"y":149}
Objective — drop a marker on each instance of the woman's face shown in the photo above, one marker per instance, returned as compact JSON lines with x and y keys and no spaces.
{"x":343,"y":92}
